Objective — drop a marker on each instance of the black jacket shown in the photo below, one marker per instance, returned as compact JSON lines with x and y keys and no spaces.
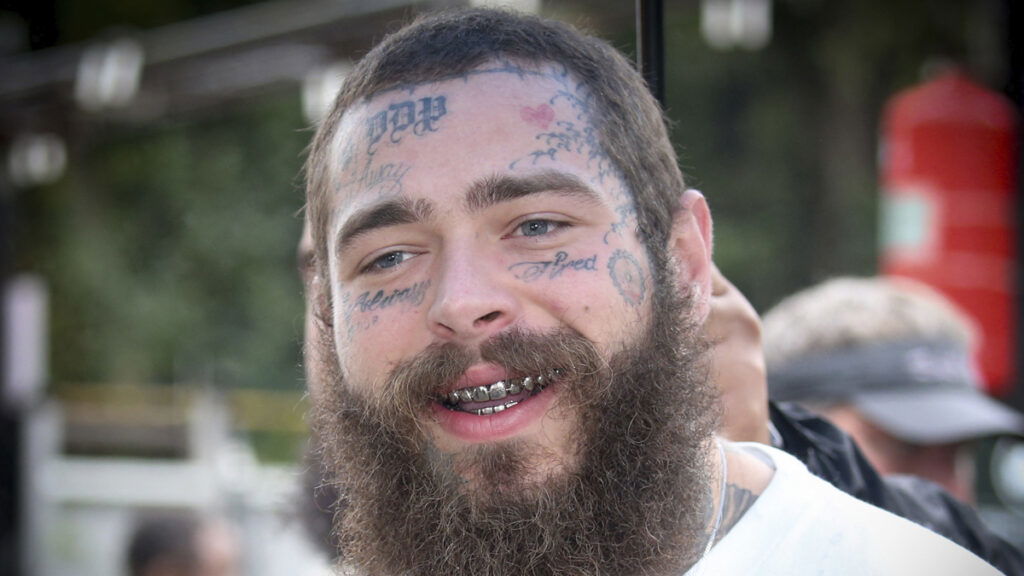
{"x":830,"y":454}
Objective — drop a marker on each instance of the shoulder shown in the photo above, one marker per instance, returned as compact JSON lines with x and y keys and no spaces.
{"x":806,"y":523}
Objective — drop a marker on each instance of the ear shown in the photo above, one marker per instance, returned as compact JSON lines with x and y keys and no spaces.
{"x":690,"y":245}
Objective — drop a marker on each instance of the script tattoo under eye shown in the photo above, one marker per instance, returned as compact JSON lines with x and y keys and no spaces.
{"x":351,"y":325}
{"x":420,"y":115}
{"x":628,"y":277}
{"x":530,"y":271}
{"x":380,"y":300}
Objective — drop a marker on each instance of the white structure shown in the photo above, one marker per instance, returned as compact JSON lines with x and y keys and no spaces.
{"x":79,"y":511}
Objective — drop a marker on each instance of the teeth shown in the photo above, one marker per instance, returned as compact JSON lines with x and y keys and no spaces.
{"x":499,"y":390}
{"x":495,"y":409}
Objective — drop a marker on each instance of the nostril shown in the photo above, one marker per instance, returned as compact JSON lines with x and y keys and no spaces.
{"x":489,"y":317}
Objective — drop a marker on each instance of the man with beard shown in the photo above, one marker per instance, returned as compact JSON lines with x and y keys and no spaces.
{"x":511,"y":278}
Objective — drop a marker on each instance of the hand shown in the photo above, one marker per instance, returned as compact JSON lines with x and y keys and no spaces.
{"x":738,"y":368}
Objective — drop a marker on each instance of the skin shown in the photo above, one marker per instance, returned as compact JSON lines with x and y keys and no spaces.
{"x":738,"y":363}
{"x":948,"y":465}
{"x":217,"y":553}
{"x":733,"y":326}
{"x":470,"y":259}
{"x":218,"y":549}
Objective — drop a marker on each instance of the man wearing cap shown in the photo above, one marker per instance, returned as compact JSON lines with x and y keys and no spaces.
{"x":887,"y":360}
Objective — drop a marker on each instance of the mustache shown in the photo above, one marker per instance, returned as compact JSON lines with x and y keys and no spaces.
{"x":415,"y":383}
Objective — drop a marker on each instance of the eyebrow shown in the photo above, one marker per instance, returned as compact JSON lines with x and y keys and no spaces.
{"x":504,"y":188}
{"x":481,"y":195}
{"x":390,"y":212}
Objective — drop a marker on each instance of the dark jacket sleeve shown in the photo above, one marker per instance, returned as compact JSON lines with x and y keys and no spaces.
{"x":830,"y":454}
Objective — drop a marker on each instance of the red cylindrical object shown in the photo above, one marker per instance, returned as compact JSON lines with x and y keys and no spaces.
{"x":948,"y":162}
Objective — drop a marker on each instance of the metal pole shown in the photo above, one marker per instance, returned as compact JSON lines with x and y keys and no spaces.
{"x":650,"y":46}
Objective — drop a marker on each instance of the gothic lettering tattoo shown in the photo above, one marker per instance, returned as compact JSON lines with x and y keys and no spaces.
{"x":628,"y":277}
{"x":412,"y":295}
{"x":420,"y":115}
{"x":530,"y":271}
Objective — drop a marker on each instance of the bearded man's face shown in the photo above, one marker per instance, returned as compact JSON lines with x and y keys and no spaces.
{"x":506,"y":387}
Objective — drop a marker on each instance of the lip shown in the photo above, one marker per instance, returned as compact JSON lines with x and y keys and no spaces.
{"x":477,"y":429}
{"x":480,"y":375}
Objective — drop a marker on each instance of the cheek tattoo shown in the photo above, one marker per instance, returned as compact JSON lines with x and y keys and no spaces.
{"x":411,"y":296}
{"x":530,"y":271}
{"x":628,"y":277}
{"x":627,"y":217}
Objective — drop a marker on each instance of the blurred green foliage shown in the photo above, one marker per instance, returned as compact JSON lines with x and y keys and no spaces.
{"x":170,"y":252}
{"x":783,"y":141}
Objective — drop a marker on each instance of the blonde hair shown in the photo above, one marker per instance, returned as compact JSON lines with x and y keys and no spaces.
{"x":849,"y":312}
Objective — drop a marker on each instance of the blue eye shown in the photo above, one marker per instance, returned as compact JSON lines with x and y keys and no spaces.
{"x":535,"y":227}
{"x":389,"y":260}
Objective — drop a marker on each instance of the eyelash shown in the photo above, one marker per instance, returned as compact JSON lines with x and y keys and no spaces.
{"x":373,"y":268}
{"x":554,"y":227}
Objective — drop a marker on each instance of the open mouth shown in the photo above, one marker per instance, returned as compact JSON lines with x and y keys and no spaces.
{"x":499,"y":396}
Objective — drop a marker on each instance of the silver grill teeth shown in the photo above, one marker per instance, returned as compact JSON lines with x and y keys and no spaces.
{"x":501,"y":389}
{"x":497,"y":391}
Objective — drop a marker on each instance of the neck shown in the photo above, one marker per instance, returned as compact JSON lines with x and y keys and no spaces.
{"x":748,"y":474}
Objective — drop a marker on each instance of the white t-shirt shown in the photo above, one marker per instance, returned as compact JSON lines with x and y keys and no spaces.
{"x":801,"y":526}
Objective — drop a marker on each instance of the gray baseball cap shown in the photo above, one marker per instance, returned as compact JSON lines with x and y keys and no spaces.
{"x":918,"y":391}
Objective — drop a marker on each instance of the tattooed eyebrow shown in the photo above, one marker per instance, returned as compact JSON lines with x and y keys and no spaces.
{"x":388,"y":212}
{"x":505,"y":188}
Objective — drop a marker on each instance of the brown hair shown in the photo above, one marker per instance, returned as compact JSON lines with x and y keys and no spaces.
{"x":631,"y":126}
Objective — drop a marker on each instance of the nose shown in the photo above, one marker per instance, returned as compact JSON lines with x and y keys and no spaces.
{"x":473,"y":300}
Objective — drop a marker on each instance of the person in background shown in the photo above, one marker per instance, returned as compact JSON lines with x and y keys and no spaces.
{"x":888,"y":360}
{"x":182,"y":544}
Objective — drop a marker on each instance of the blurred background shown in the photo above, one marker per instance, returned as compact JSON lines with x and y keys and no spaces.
{"x":150,"y":198}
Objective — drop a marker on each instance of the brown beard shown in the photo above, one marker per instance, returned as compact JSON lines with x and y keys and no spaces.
{"x":635,"y":502}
